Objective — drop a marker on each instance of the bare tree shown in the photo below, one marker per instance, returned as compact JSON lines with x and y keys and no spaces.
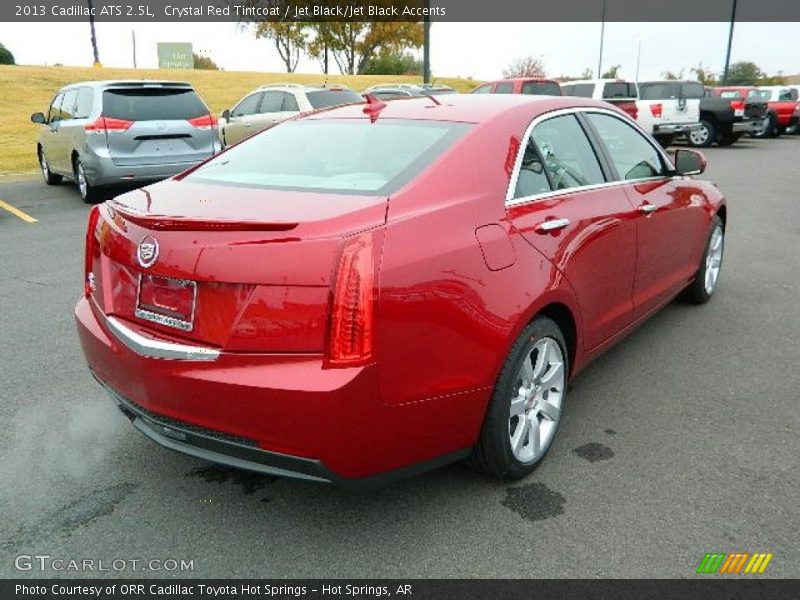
{"x":526,"y":66}
{"x":289,"y":38}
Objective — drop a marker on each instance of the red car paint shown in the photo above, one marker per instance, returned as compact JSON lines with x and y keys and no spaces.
{"x":457,"y":276}
{"x":785,"y":111}
{"x":523,"y":85}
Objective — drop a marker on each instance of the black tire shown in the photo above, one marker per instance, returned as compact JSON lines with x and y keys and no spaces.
{"x":770,"y":129}
{"x":697,"y":292}
{"x":705,"y":136}
{"x":89,"y":193}
{"x":665,"y":140}
{"x":493,"y":454}
{"x":49,"y":177}
{"x":728,"y":140}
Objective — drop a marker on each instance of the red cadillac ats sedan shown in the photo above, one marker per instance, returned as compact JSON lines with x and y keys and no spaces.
{"x":379,"y":289}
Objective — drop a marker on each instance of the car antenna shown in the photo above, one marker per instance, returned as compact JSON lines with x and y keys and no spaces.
{"x":433,"y":99}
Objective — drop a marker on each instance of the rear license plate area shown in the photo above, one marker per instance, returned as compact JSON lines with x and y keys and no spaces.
{"x":166,"y":301}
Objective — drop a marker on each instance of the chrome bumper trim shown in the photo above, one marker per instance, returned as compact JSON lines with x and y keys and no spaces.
{"x":152,"y":348}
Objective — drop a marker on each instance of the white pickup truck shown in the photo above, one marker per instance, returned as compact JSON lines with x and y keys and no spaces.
{"x":668,"y":109}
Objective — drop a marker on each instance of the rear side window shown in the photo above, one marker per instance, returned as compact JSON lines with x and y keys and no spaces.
{"x":582,"y":90}
{"x":83,"y":108}
{"x":504,"y":88}
{"x":568,"y":156}
{"x":632,"y":155}
{"x":659,"y":91}
{"x":532,"y":177}
{"x":328,"y":98}
{"x":541,"y":88}
{"x":152,"y":104}
{"x":290,"y":103}
{"x":271,"y":102}
{"x":619,"y":89}
{"x":335,"y":156}
{"x":486,"y":88}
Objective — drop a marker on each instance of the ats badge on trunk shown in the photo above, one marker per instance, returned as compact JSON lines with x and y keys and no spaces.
{"x":147,"y":253}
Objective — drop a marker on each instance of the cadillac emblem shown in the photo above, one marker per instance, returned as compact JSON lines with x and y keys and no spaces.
{"x":147,"y":253}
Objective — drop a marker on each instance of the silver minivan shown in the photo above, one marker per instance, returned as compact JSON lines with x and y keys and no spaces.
{"x":106,"y":133}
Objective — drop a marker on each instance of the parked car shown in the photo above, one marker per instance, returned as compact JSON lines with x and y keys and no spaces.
{"x":106,"y":133}
{"x":782,"y":106}
{"x":521,"y":85}
{"x":271,"y":104}
{"x":723,"y":120}
{"x":379,"y":289}
{"x":622,"y":94}
{"x":402,"y":90}
{"x":669,"y":109}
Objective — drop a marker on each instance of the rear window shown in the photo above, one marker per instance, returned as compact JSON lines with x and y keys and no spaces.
{"x":504,"y":88}
{"x":659,"y":91}
{"x":731,"y":94}
{"x":582,"y":90}
{"x":153,"y":104}
{"x":541,"y":88}
{"x":334,"y":156}
{"x":693,"y":90}
{"x":760,"y":94}
{"x":327,"y":98}
{"x":619,"y":89}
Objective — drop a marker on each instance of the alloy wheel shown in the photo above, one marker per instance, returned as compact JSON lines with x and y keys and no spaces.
{"x":44,"y":166}
{"x":536,"y":403}
{"x":699,"y":136}
{"x":714,"y":259}
{"x":80,"y":178}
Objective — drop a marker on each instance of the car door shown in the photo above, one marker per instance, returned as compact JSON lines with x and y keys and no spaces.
{"x":60,"y":155}
{"x":669,"y":211}
{"x":49,"y":136}
{"x":270,"y":111}
{"x":562,"y":204}
{"x":241,"y":123}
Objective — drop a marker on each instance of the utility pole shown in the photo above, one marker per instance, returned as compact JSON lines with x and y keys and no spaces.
{"x":602,"y":41}
{"x":426,"y":45}
{"x":730,"y":44}
{"x":94,"y":37}
{"x":638,"y":59}
{"x":133,"y":41}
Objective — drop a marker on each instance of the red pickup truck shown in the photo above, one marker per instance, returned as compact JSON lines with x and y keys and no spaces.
{"x":520,"y":85}
{"x":783,"y":108}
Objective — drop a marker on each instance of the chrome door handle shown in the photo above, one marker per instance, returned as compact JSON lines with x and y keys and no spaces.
{"x":552,"y":225}
{"x":648,"y":208}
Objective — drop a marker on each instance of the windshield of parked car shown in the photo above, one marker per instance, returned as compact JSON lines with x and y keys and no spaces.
{"x":760,"y":94}
{"x":153,"y":104}
{"x":328,"y":98}
{"x":336,"y":156}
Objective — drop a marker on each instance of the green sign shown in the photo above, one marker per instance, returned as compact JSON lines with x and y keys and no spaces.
{"x":175,"y":55}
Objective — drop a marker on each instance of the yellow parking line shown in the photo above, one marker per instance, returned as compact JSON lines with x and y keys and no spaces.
{"x":17,"y":212}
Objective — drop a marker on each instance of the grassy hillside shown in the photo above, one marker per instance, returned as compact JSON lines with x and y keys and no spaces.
{"x":25,"y":90}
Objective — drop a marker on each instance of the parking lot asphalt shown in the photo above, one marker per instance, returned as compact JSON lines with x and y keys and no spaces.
{"x":683,"y":439}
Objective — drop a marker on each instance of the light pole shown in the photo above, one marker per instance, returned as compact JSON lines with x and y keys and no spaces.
{"x":730,"y":43}
{"x":94,"y":37}
{"x":602,"y":40}
{"x":638,"y":57}
{"x":426,"y":44}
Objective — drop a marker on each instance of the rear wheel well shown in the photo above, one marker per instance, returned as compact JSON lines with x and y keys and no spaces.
{"x":562,"y":316}
{"x":709,"y":116}
{"x":74,"y":159}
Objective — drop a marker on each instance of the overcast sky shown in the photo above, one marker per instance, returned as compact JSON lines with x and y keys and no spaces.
{"x":480,"y":50}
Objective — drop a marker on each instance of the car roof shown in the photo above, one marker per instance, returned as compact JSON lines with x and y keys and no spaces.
{"x":336,"y":87}
{"x":465,"y":108}
{"x":512,"y":79}
{"x":596,"y":81}
{"x":129,"y":82}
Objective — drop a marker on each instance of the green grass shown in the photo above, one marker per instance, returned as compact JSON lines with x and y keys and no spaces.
{"x":26,"y":90}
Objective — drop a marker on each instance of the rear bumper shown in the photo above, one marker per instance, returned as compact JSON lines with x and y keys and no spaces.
{"x":101,"y":171}
{"x":281,"y":415}
{"x":674,"y":128}
{"x":750,"y":126}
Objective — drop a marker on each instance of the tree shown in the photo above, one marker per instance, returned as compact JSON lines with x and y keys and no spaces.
{"x":6,"y":58}
{"x":204,"y":62}
{"x":744,"y":73}
{"x":289,"y":38}
{"x":525,"y":66}
{"x":587,"y":74}
{"x":354,"y":43}
{"x":703,"y":75}
{"x":612,"y":73}
{"x":394,"y":63}
{"x":672,"y":76}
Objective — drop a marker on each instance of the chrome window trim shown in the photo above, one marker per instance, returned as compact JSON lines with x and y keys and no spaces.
{"x":512,"y":184}
{"x":153,"y":348}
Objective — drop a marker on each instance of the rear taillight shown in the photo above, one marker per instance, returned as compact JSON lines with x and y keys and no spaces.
{"x":738,"y":107}
{"x":353,"y":305}
{"x":104,"y":124}
{"x":91,"y":241}
{"x":656,"y":110}
{"x":204,"y":122}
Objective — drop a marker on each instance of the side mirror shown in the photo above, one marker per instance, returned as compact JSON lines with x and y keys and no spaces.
{"x":38,"y":118}
{"x":226,"y":114}
{"x":689,"y":162}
